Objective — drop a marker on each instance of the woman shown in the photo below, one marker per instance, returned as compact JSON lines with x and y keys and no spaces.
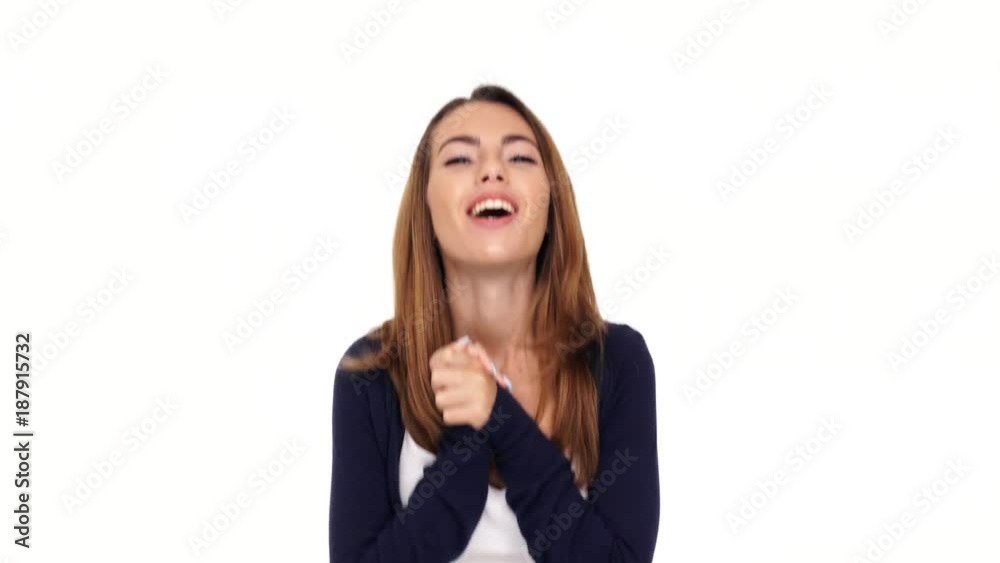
{"x":532,"y":437}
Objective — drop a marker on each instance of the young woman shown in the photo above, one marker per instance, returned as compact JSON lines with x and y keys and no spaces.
{"x":496,"y":416}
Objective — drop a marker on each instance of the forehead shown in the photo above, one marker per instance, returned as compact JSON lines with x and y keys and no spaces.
{"x":488,"y":120}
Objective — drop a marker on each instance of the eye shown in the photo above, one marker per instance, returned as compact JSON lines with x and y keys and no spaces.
{"x":465,"y":159}
{"x":451,"y":161}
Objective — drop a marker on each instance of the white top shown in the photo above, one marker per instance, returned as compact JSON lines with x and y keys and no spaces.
{"x":496,"y":539}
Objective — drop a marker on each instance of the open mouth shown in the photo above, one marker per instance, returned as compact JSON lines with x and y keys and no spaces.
{"x":492,"y":209}
{"x":492,"y":213}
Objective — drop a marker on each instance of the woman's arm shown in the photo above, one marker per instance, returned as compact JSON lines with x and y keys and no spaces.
{"x":363,"y":525}
{"x":619,"y":523}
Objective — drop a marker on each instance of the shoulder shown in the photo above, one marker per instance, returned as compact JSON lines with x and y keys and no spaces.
{"x":622,"y":337}
{"x":359,"y":382}
{"x":625,"y":345}
{"x":627,"y":360}
{"x":364,"y":344}
{"x":362,"y":399}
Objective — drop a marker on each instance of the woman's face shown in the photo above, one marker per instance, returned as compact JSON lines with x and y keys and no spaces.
{"x":485,"y":151}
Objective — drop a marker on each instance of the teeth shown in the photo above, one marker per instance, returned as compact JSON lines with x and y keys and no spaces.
{"x":492,"y":204}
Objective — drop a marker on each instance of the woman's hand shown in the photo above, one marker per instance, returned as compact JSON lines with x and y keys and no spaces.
{"x":463,"y":383}
{"x":479,"y":351}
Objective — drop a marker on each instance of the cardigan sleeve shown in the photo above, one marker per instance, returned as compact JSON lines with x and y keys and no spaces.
{"x":618,"y":521}
{"x":364,"y":526}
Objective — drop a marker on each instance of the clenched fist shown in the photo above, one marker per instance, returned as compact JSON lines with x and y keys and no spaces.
{"x":463,"y":383}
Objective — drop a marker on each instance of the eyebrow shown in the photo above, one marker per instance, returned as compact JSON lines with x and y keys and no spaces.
{"x":507,"y":139}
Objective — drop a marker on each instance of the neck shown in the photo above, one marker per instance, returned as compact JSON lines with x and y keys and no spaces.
{"x":492,"y":308}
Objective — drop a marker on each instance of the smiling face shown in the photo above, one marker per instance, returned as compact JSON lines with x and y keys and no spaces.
{"x":487,"y":190}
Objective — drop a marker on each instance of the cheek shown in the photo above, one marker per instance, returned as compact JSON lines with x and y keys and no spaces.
{"x":435,"y":194}
{"x":537,"y":197}
{"x":441,"y":198}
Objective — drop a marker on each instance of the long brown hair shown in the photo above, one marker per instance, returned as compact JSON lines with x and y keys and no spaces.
{"x":565,"y":323}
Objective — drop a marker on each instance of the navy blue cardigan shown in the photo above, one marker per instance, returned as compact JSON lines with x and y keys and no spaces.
{"x":616,"y":522}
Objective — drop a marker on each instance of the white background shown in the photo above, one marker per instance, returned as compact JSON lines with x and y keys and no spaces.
{"x":334,"y":173}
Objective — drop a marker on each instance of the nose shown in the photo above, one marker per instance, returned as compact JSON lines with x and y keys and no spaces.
{"x":496,"y":175}
{"x":492,"y":168}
